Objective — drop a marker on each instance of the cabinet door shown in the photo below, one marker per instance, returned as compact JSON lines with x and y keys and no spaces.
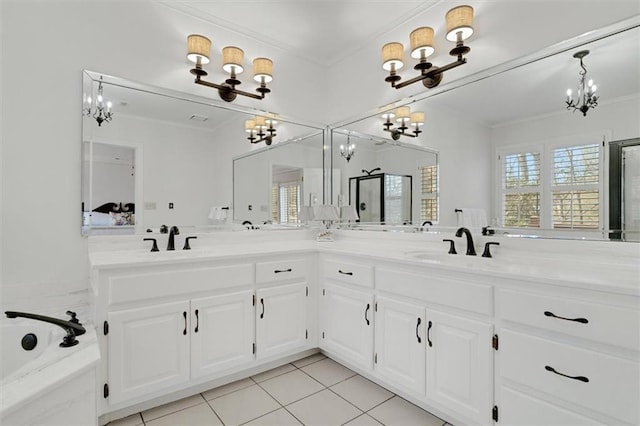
{"x":222,"y":332}
{"x":460,"y":365}
{"x":400,"y":346}
{"x":148,"y":350}
{"x":347,"y":324}
{"x":281,"y":319}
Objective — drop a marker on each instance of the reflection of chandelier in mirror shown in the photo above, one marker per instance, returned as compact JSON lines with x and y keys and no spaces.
{"x":349,"y":150}
{"x":257,"y":126}
{"x":101,"y":111}
{"x":459,"y":28}
{"x":199,"y":51}
{"x":405,"y":118}
{"x":586,"y":89}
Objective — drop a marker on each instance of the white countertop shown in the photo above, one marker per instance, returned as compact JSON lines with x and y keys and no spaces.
{"x":603,"y":266}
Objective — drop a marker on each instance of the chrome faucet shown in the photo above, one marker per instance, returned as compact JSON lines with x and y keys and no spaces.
{"x":72,"y":327}
{"x":172,"y":233}
{"x":471,"y":250}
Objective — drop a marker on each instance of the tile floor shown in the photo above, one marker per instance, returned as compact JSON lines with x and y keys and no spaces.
{"x":312,"y":391}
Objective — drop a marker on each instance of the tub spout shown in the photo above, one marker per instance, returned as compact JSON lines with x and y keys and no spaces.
{"x":72,"y":327}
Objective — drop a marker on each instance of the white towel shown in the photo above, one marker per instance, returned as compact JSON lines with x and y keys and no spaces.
{"x":218,"y":214}
{"x":474,"y":218}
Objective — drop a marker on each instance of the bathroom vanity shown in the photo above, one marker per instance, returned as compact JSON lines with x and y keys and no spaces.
{"x":514,"y":339}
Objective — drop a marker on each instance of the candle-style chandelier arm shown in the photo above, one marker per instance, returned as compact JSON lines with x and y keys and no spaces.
{"x":586,"y":97}
{"x":432,"y":75}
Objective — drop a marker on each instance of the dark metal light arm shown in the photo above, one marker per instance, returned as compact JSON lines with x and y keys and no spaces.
{"x":223,"y":88}
{"x":431,"y":73}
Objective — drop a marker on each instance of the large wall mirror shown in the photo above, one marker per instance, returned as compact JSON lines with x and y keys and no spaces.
{"x":509,"y":147}
{"x":383,"y":180}
{"x":275,"y":183}
{"x":165,"y":157}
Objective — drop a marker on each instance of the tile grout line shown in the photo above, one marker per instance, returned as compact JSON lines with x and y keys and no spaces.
{"x":281,"y":405}
{"x":214,"y":411}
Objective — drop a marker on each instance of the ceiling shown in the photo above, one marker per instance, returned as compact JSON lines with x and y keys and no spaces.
{"x":328,"y":31}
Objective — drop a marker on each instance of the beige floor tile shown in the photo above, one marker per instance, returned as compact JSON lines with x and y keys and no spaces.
{"x":324,"y":409}
{"x":361,"y":392}
{"x":309,"y":360}
{"x":279,"y":417}
{"x":228,"y":388}
{"x":273,"y":373}
{"x":291,"y":387}
{"x":399,"y":412}
{"x":243,"y":405}
{"x":197,"y":415}
{"x":364,"y":420}
{"x":172,"y":407}
{"x":133,"y":420}
{"x":328,"y":372}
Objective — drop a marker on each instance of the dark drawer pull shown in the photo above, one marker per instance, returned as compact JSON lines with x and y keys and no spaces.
{"x":277,"y":271}
{"x":430,"y":324}
{"x":418,"y":325}
{"x":262,"y":303}
{"x":365,"y":313}
{"x":184,"y":314}
{"x":197,"y":321}
{"x":553,"y":370}
{"x":344,"y":273}
{"x":580,"y":320}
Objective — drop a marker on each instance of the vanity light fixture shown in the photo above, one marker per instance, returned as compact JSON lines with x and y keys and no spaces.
{"x":349,"y":150}
{"x":586,"y":89}
{"x":101,"y":110}
{"x":405,"y":120}
{"x":459,"y":28}
{"x":199,"y":52}
{"x":261,"y":129}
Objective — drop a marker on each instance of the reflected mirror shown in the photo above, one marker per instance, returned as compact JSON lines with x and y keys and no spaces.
{"x":385,"y":181}
{"x":274,"y":184}
{"x":164,"y":157}
{"x":509,"y":148}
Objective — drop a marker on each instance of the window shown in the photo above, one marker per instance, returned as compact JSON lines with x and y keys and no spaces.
{"x":521,"y":189}
{"x":575,"y":195}
{"x":285,"y":202}
{"x":551,"y":187}
{"x":429,"y":193}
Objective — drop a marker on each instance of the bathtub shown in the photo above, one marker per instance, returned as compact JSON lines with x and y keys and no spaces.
{"x":47,"y":385}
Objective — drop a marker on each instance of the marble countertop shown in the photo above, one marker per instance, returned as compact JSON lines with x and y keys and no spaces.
{"x":597,"y":266}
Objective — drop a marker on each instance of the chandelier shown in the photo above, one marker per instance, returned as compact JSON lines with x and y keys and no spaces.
{"x":405,"y":120}
{"x":459,"y":27}
{"x":199,"y":52}
{"x":349,"y":150}
{"x":260,"y":129}
{"x":101,"y":111}
{"x":586,"y":97}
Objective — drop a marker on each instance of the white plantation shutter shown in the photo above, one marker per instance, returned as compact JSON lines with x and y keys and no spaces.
{"x":429,"y":191}
{"x":285,"y":202}
{"x":575,"y":187}
{"x":521,"y":189}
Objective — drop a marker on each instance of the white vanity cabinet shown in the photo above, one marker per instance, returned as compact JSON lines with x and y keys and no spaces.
{"x":435,"y":331}
{"x":570,"y":350}
{"x":222,"y":332}
{"x":459,"y":364}
{"x":148,"y":349}
{"x":346,"y":310}
{"x":281,"y":319}
{"x":399,"y":344}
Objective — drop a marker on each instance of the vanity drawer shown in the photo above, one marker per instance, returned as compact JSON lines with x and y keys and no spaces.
{"x":281,"y":270}
{"x":603,"y":323}
{"x":590,"y":379}
{"x":446,"y":290}
{"x":348,"y":272}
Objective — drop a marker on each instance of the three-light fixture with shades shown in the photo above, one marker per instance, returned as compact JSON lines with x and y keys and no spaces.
{"x":199,"y":52}
{"x":408,"y":123}
{"x":459,"y":28}
{"x":586,"y":97}
{"x":261,"y":129}
{"x":100,"y":110}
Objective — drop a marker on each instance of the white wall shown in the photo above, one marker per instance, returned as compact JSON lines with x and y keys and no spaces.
{"x":45,"y":47}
